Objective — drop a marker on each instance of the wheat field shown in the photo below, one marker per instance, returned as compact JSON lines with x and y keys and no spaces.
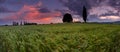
{"x":67,"y":37}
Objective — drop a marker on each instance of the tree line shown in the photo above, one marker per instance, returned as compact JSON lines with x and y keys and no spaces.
{"x":23,"y":23}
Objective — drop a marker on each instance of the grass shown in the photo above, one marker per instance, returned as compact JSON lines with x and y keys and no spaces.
{"x":71,"y":37}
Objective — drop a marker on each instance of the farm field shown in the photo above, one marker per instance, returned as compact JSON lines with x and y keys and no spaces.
{"x":69,"y":37}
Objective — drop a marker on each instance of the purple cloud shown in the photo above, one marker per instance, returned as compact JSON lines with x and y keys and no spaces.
{"x":96,"y":8}
{"x":2,"y":1}
{"x":5,"y":10}
{"x":44,"y":10}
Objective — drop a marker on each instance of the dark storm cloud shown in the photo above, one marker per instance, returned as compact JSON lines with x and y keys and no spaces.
{"x":15,"y":5}
{"x":2,"y":1}
{"x":76,"y":5}
{"x":44,"y":10}
{"x":108,"y":14}
{"x":115,"y":3}
{"x":29,"y":2}
{"x":5,"y":10}
{"x":95,"y":7}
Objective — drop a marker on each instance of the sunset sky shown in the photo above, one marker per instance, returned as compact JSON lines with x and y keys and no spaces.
{"x":47,"y":11}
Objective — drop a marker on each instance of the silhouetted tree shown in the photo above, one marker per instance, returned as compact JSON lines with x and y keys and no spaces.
{"x":21,"y":23}
{"x":84,"y":14}
{"x":15,"y":23}
{"x":67,"y":18}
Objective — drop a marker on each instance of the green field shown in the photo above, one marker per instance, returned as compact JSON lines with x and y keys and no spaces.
{"x":70,"y":37}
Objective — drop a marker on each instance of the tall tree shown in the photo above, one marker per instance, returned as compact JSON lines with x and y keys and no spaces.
{"x":84,"y":14}
{"x":67,"y":18}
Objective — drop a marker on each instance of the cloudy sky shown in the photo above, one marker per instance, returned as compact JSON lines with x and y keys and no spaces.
{"x":47,"y":11}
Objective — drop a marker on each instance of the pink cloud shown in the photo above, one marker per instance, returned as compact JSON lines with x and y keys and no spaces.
{"x":31,"y":13}
{"x":35,"y":14}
